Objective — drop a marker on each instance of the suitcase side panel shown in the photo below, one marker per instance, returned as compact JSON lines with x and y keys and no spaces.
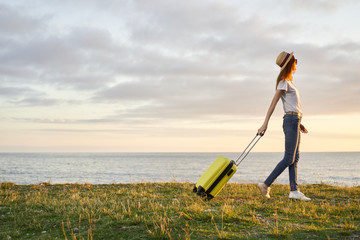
{"x":212,"y":173}
{"x":223,"y":181}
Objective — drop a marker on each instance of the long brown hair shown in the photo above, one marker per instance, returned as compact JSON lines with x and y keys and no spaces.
{"x":286,"y":73}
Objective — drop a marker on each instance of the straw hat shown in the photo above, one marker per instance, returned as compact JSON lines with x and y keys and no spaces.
{"x":283,"y":59}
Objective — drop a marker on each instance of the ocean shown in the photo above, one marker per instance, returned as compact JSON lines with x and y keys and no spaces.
{"x":105,"y":168}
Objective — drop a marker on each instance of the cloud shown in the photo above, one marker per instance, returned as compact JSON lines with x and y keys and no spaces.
{"x":321,"y":6}
{"x":14,"y":22}
{"x":24,"y":96}
{"x":36,"y":101}
{"x":327,"y":86}
{"x":14,"y":91}
{"x":165,"y":59}
{"x":328,"y":78}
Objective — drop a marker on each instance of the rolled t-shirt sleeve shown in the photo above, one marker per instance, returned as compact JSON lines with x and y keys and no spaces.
{"x":282,"y":85}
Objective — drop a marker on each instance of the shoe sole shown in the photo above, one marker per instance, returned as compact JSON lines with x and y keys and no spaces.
{"x":297,"y":199}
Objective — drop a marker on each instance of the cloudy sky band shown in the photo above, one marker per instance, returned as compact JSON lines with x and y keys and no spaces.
{"x":139,"y":63}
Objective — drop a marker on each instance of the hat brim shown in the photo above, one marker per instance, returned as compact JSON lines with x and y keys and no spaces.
{"x":287,"y":61}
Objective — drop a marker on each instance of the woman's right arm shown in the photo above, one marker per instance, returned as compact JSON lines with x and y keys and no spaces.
{"x":270,"y":111}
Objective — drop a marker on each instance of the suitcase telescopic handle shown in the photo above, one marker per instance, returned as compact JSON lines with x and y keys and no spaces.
{"x":242,"y":156}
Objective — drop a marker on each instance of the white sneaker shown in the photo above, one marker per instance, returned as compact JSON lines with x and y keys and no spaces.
{"x":265,"y":190}
{"x":298,"y":195}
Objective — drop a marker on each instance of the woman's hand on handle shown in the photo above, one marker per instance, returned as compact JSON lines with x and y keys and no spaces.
{"x":262,"y":129}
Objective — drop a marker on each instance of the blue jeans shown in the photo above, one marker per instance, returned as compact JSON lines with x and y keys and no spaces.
{"x":291,"y":127}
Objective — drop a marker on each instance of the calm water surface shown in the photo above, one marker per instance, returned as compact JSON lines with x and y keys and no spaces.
{"x":34,"y":168}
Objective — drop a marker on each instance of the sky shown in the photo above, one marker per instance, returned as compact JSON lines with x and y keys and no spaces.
{"x":174,"y":76}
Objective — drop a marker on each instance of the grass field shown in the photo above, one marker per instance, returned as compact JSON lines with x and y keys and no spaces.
{"x":173,"y":211}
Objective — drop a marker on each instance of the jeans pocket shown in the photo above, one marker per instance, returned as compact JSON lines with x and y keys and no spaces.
{"x":290,"y":125}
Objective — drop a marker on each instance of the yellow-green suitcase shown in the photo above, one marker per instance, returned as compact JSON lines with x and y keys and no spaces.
{"x":219,"y":173}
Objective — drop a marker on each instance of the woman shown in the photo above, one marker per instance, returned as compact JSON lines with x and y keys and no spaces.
{"x":286,"y":90}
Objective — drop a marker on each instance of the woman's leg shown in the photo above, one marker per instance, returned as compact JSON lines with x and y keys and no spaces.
{"x":291,"y":128}
{"x":293,"y":169}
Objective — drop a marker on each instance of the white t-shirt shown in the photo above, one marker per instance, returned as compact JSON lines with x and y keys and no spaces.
{"x":290,"y":98}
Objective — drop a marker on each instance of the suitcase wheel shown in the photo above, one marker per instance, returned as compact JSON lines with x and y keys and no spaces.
{"x":209,"y":197}
{"x":200,"y":191}
{"x":195,"y":189}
